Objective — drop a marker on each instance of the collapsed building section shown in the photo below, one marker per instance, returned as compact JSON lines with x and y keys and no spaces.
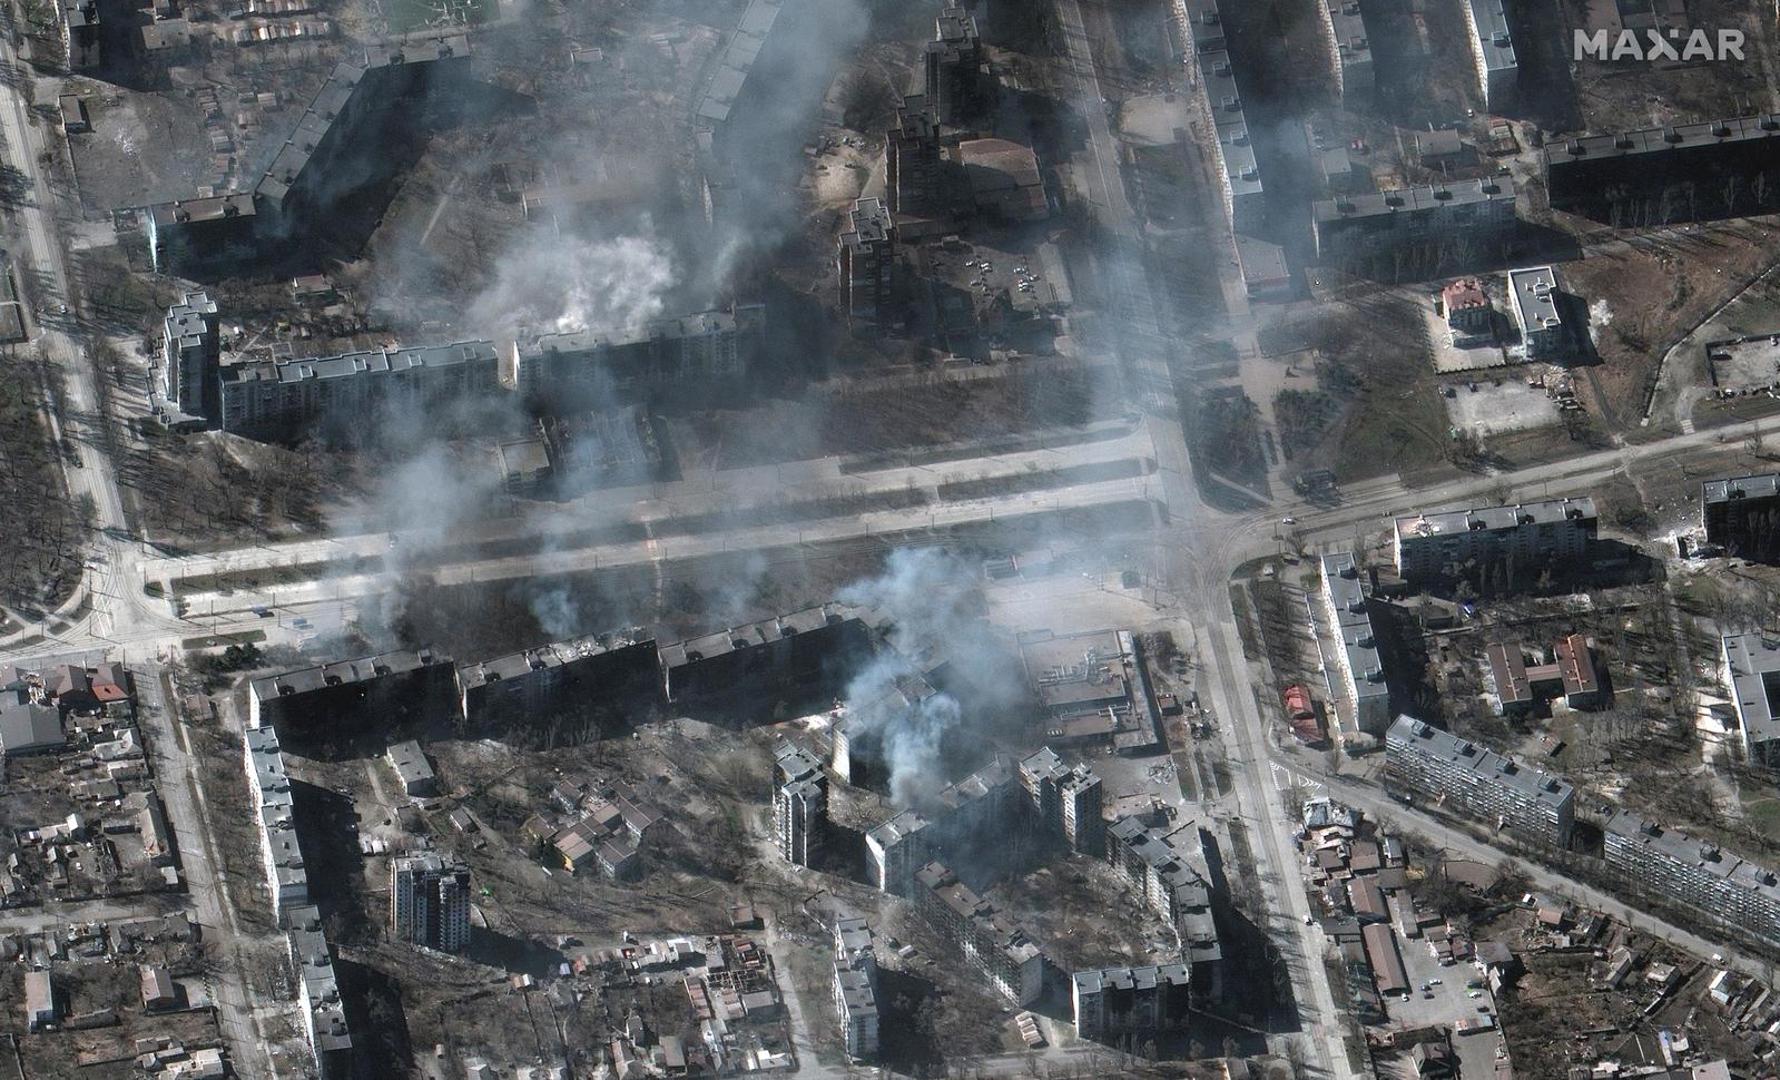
{"x":1742,"y":515}
{"x":986,"y":803}
{"x":1112,"y":1003}
{"x":1173,"y":874}
{"x":332,"y":155}
{"x":1657,"y":176}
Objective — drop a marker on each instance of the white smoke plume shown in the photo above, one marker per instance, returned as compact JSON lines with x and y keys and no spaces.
{"x":563,"y":285}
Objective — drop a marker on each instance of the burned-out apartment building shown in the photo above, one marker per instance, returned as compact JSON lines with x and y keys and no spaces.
{"x":1067,"y":800}
{"x":999,"y":948}
{"x":989,"y":803}
{"x":866,"y":261}
{"x":804,"y":654}
{"x":1742,"y":515}
{"x":332,"y":154}
{"x":1682,"y":172}
{"x":1171,"y":870}
{"x":959,"y":86}
{"x":562,"y":685}
{"x":800,"y":804}
{"x":856,"y":988}
{"x":1551,"y":534}
{"x":349,"y":696}
{"x":1108,"y":1003}
{"x":458,"y":381}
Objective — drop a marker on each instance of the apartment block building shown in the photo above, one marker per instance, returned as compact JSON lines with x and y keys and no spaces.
{"x":1742,"y":515}
{"x":999,"y":949}
{"x":957,"y":80}
{"x":1752,"y":673}
{"x":1660,"y":175}
{"x":800,"y":804}
{"x":429,"y":902}
{"x":276,"y":398}
{"x":590,"y":678}
{"x":1698,"y":873}
{"x":866,"y":258}
{"x":348,"y":695}
{"x":810,"y":652}
{"x":856,"y":988}
{"x":1357,"y":677}
{"x":989,"y":802}
{"x":1350,"y":49}
{"x":1407,"y":221}
{"x":191,"y":353}
{"x":287,"y":878}
{"x":583,"y":369}
{"x":1492,"y":51}
{"x":1201,"y":25}
{"x":1112,"y":1002}
{"x":1171,"y":872}
{"x":1549,"y":534}
{"x":318,"y":994}
{"x":1067,"y":800}
{"x":1468,"y":779}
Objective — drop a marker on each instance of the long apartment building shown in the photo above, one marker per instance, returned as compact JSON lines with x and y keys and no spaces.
{"x":1068,"y":800}
{"x":1471,"y":780}
{"x":550,"y":373}
{"x":287,"y":879}
{"x":1492,"y":52}
{"x":1752,"y":673}
{"x":1112,"y":1002}
{"x":1202,"y":26}
{"x":569,"y":679}
{"x":1412,"y":220}
{"x":856,"y":988}
{"x":1350,"y":49}
{"x":800,"y":804}
{"x":1718,"y":884}
{"x":988,"y":939}
{"x":323,"y":1012}
{"x":808,"y":650}
{"x":1357,"y":676}
{"x":1655,"y":176}
{"x":1430,"y":547}
{"x":1171,"y":871}
{"x":318,"y":995}
{"x":321,"y":164}
{"x":865,"y":256}
{"x":351,"y":694}
{"x":1742,"y":515}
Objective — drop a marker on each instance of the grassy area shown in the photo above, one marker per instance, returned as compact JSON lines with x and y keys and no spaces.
{"x":406,"y":16}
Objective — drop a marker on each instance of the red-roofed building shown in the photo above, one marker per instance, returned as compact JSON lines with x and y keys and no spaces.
{"x":1468,"y":309}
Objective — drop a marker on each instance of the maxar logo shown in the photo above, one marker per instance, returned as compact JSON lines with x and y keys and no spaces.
{"x":1654,"y":45}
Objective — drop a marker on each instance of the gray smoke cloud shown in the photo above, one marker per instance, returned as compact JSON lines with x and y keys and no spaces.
{"x":553,"y":283}
{"x":894,"y":715}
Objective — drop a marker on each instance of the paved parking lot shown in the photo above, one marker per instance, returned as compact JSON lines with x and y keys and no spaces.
{"x":1502,"y":403}
{"x":1447,"y":1000}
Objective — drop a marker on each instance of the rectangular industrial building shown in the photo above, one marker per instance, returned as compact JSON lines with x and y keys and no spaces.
{"x":1524,"y":537}
{"x":1466,"y":778}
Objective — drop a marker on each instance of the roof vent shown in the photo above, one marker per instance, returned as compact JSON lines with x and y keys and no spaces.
{"x":1720,"y":128}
